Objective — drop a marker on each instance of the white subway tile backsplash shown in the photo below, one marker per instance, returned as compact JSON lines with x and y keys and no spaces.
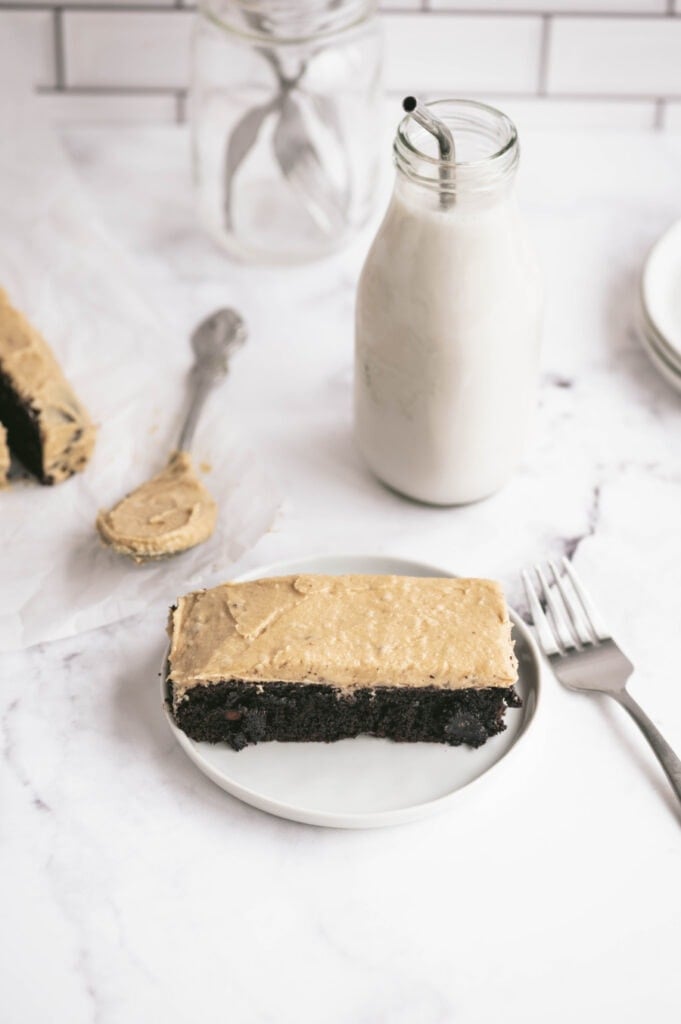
{"x":672,"y":117}
{"x":128,"y":4}
{"x":127,"y":48}
{"x":557,"y":6}
{"x":550,"y":114}
{"x":608,"y":56}
{"x":437,"y":53}
{"x":76,"y":108}
{"x":27,"y":47}
{"x":603,"y":63}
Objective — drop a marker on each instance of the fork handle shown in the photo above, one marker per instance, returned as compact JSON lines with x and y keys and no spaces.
{"x":663,"y":752}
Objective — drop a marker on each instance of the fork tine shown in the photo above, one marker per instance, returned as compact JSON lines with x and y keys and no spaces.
{"x":550,"y":644}
{"x":561,"y":627}
{"x":573,"y":620}
{"x":593,"y":619}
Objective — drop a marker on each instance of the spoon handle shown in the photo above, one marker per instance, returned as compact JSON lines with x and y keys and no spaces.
{"x":200,"y":385}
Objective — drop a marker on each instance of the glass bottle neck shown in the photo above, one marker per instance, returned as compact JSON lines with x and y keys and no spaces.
{"x":287,"y":21}
{"x":487,"y":153}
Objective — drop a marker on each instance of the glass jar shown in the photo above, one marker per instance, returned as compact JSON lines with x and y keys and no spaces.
{"x":285,"y":111}
{"x":448,"y":315}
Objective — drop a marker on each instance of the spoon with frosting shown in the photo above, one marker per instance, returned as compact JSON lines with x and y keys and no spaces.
{"x":173,"y":511}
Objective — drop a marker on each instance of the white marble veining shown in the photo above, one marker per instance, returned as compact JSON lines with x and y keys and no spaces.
{"x":134,"y":890}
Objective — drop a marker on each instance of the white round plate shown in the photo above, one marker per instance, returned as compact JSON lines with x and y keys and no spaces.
{"x":661,"y":287}
{"x":364,"y":782}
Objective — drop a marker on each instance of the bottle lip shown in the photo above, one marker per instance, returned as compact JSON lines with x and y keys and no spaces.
{"x":484,"y":172}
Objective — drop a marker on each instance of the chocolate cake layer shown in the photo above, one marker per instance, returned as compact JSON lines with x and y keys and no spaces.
{"x":48,"y":428}
{"x":23,"y":427}
{"x":239,"y":714}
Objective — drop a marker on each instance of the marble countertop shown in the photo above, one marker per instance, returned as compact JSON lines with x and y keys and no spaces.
{"x":136,"y":891}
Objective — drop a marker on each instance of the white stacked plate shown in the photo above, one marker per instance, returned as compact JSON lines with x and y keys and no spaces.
{"x":659,"y":323}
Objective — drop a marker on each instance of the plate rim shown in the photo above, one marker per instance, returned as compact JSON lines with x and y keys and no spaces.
{"x":360,"y":819}
{"x":648,"y":269}
{"x":646,"y":326}
{"x":659,"y":360}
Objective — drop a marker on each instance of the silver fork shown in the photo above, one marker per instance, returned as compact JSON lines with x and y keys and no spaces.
{"x":582,"y":653}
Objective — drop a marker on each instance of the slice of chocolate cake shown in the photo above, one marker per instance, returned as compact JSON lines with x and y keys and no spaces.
{"x":48,"y":429}
{"x":329,"y":657}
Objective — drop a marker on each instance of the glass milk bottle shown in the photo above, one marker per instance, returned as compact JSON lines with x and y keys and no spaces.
{"x":448,"y":313}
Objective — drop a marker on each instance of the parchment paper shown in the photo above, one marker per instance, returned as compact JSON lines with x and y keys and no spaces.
{"x":113,"y":334}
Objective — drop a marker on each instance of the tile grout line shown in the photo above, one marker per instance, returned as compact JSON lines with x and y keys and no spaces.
{"x":544,"y":48}
{"x":91,"y":8}
{"x":130,"y":6}
{"x":111,"y":90}
{"x":181,"y":106}
{"x":574,"y":97}
{"x":58,"y":47}
{"x":490,"y":11}
{"x":571,"y":97}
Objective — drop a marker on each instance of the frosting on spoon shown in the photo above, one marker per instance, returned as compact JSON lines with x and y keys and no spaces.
{"x":170,"y":513}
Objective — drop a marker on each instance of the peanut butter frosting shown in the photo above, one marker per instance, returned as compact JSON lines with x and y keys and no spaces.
{"x":4,"y":457}
{"x":346,"y":631}
{"x":66,"y":432}
{"x":170,"y":513}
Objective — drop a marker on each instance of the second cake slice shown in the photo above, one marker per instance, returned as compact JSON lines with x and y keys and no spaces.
{"x":48,"y":429}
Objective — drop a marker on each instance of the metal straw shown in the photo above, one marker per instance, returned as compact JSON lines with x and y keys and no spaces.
{"x":445,"y":140}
